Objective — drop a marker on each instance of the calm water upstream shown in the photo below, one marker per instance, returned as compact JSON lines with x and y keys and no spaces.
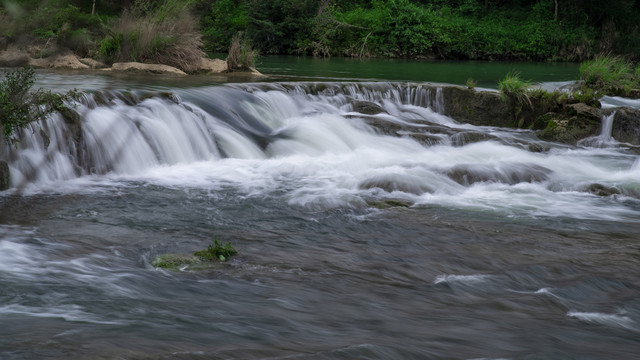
{"x":495,"y":252}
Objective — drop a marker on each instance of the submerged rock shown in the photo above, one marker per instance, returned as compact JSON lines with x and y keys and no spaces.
{"x":177,"y":262}
{"x":601,"y":190}
{"x":506,"y":173}
{"x":368,"y":108}
{"x":392,"y":182}
{"x":389,"y":203}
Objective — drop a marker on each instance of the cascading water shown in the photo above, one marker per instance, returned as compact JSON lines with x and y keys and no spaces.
{"x":402,"y":149}
{"x":604,"y":139}
{"x":368,"y":223}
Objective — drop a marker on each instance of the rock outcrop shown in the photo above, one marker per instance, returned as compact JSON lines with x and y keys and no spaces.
{"x":626,"y":125}
{"x":149,"y":68}
{"x":4,"y":176}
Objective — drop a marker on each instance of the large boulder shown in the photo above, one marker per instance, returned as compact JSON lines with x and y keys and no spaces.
{"x":568,"y":128}
{"x":626,"y":126}
{"x":482,"y":108}
{"x":212,"y":66}
{"x":61,"y":61}
{"x":92,"y":63}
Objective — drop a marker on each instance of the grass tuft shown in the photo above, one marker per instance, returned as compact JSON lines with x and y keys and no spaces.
{"x":611,"y":74}
{"x":241,"y":55}
{"x":514,"y":88}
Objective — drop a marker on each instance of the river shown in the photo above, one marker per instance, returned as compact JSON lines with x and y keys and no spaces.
{"x":446,"y":240}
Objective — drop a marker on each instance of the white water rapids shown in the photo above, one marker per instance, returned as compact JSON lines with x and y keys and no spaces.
{"x":511,"y":248}
{"x":307,"y":141}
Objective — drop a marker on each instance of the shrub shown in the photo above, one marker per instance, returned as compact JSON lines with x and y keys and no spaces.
{"x":241,"y":54}
{"x":20,"y":106}
{"x":164,"y":33}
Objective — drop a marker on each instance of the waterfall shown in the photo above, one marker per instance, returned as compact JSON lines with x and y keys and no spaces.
{"x":604,"y":139}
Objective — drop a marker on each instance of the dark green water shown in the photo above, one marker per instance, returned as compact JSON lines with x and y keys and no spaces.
{"x":487,"y":74}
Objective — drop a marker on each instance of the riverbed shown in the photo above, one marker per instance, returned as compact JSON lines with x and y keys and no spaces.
{"x":446,"y":241}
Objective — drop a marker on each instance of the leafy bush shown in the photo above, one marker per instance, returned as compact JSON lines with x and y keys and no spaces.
{"x":20,"y":106}
{"x":163,"y":33}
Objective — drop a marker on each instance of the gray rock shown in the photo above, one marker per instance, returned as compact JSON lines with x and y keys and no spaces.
{"x":4,"y":176}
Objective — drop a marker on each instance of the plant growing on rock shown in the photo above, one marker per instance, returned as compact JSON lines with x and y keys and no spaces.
{"x":199,"y":260}
{"x":611,"y":74}
{"x":19,"y":105}
{"x":217,"y":251}
{"x":514,"y":88}
{"x":471,"y":83}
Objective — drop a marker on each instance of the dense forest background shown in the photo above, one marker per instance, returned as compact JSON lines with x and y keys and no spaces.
{"x":142,"y":30}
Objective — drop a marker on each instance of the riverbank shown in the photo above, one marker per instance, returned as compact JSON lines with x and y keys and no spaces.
{"x":64,"y":59}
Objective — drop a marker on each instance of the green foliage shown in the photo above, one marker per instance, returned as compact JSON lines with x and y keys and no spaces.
{"x":109,"y":47}
{"x":222,"y":20}
{"x":514,"y":88}
{"x":158,"y":32}
{"x":471,"y":83}
{"x":19,"y":105}
{"x":217,"y":251}
{"x":611,"y":74}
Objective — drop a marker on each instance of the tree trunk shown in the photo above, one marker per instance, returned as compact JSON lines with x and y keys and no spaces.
{"x":93,"y":9}
{"x":555,"y":10}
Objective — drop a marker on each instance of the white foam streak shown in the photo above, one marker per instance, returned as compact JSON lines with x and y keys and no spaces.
{"x":610,"y":320}
{"x":74,"y":313}
{"x":465,"y":279}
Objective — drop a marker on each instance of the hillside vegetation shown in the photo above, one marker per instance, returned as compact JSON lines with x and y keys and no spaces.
{"x":175,"y":32}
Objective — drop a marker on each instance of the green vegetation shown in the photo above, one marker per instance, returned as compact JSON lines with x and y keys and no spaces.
{"x":514,"y":88}
{"x":241,"y":54}
{"x":471,"y":83}
{"x":176,"y":31}
{"x":612,"y":75}
{"x":216,"y":251}
{"x":199,"y":260}
{"x":19,"y":105}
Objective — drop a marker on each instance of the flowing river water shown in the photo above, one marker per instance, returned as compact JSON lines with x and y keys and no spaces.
{"x":443,"y":241}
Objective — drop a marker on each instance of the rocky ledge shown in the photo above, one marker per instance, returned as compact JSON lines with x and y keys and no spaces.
{"x":14,"y":57}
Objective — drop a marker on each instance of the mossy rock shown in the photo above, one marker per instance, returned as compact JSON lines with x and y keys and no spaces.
{"x":178,"y":262}
{"x":568,"y":129}
{"x":199,"y":260}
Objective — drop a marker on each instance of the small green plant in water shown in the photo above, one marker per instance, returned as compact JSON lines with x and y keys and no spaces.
{"x":217,"y":251}
{"x":471,"y":83}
